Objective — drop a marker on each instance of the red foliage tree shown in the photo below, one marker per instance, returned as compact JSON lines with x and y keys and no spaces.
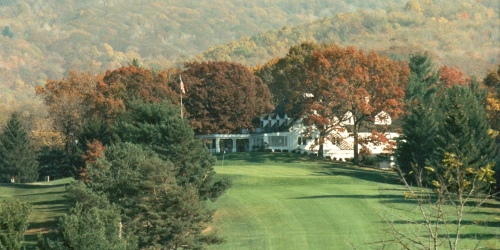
{"x":223,"y":97}
{"x":348,"y":84}
{"x":95,"y":151}
{"x":450,"y":76}
{"x":81,"y":97}
{"x":125,"y":84}
{"x":66,"y":102}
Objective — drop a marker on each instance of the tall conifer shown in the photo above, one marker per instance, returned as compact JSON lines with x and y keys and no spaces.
{"x":419,"y":128}
{"x":17,"y":154}
{"x":463,"y":129}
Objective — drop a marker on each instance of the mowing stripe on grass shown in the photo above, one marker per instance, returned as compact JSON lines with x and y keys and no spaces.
{"x":279,"y":203}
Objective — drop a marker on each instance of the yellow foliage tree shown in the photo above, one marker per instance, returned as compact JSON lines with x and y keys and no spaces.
{"x":492,"y":82}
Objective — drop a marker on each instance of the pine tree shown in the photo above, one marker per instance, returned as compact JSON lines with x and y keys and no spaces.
{"x":159,"y":176}
{"x":159,"y":126}
{"x":17,"y":154}
{"x":416,"y":144}
{"x":422,"y":80}
{"x":91,"y":217}
{"x":13,"y":223}
{"x":463,"y":129}
{"x":155,"y":209}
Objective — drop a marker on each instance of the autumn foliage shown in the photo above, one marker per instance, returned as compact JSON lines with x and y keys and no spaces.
{"x":450,"y":76}
{"x":94,"y":152}
{"x":68,"y":103}
{"x":82,"y":97}
{"x":492,"y":82}
{"x":223,"y":97}
{"x":125,"y":84}
{"x":349,"y":84}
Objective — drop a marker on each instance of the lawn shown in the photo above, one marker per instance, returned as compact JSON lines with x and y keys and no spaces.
{"x":285,"y":201}
{"x":48,"y":203}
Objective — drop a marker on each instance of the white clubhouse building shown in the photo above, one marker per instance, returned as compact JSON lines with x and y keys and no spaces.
{"x":285,"y":134}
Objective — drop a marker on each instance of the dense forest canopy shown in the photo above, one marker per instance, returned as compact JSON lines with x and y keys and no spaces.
{"x":99,"y":35}
{"x":464,"y":34}
{"x":43,"y":40}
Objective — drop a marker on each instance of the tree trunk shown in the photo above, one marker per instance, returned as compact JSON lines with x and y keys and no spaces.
{"x":356,"y":153}
{"x":320,"y":149}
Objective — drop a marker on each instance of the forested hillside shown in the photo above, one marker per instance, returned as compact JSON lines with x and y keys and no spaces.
{"x":45,"y":39}
{"x":464,"y":35}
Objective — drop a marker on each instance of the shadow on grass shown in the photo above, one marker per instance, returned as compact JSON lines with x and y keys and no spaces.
{"x":52,"y":202}
{"x":357,"y":196}
{"x":30,"y":186}
{"x":480,"y":236}
{"x":363,"y":173}
{"x":43,"y":226}
{"x":45,"y":193}
{"x":59,"y":209}
{"x":486,"y":213}
{"x":486,"y":204}
{"x":469,"y":236}
{"x":262,"y":157}
{"x":495,"y":224}
{"x":383,"y":198}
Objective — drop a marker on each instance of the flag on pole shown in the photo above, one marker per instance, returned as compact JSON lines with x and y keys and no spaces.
{"x":183,"y":91}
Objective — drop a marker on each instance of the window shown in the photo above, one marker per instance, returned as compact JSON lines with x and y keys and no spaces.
{"x":278,"y":141}
{"x":258,"y":141}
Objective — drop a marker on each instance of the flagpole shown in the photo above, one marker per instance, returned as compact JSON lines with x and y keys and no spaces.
{"x":183,"y":91}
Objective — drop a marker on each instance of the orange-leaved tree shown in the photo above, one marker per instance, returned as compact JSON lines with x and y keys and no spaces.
{"x":285,"y":78}
{"x":348,"y":84}
{"x":83,"y":98}
{"x":121,"y":86}
{"x":66,"y":101}
{"x":223,"y":97}
{"x":450,"y":76}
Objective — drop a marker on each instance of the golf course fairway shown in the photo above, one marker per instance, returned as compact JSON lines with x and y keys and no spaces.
{"x":286,"y":201}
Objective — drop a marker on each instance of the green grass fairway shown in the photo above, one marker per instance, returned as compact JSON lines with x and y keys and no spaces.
{"x":286,"y":201}
{"x":48,"y":203}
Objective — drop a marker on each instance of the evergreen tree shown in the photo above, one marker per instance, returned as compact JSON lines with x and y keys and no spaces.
{"x":159,"y":176}
{"x":92,"y":228}
{"x":17,"y":154}
{"x":13,"y":223}
{"x":463,"y":130}
{"x":416,"y":144}
{"x":91,"y":217}
{"x":422,"y":80}
{"x":159,"y":126}
{"x":155,"y":209}
{"x":54,"y":162}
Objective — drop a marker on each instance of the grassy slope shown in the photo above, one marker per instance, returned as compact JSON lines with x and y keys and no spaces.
{"x":282,"y":201}
{"x":48,"y":204}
